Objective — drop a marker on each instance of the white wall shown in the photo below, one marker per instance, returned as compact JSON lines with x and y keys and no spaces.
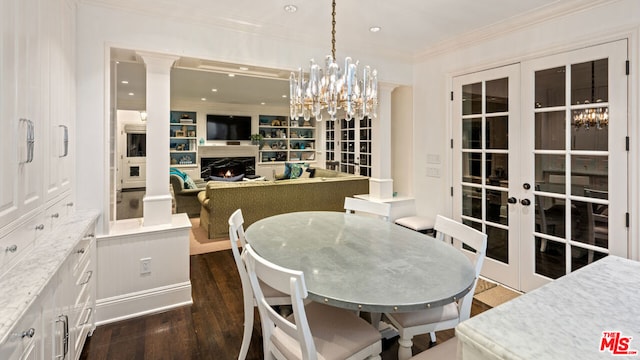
{"x":432,"y":85}
{"x":402,"y":165}
{"x":99,"y":28}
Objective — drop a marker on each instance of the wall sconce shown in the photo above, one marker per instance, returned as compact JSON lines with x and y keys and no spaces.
{"x":143,"y":115}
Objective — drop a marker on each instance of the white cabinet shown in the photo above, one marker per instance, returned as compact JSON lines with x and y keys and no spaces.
{"x":36,"y":103}
{"x":58,"y":29}
{"x":71,"y":303}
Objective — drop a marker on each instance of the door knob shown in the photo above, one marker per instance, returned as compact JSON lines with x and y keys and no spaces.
{"x":526,"y":186}
{"x":512,"y":200}
{"x":525,"y":202}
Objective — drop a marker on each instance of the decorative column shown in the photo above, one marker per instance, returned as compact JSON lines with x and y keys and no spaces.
{"x":157,"y":199}
{"x":381,"y":183}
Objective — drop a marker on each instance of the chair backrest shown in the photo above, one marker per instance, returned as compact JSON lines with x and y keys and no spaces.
{"x":382,"y":210}
{"x":458,"y":234}
{"x":287,"y":281}
{"x":236,"y":233}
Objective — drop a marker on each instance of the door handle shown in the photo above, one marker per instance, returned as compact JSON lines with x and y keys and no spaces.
{"x":525,"y":202}
{"x":512,"y":200}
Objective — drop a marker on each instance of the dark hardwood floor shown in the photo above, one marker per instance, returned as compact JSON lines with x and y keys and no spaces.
{"x":211,"y":328}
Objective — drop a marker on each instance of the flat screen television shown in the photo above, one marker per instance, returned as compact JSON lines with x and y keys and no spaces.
{"x":228,"y":127}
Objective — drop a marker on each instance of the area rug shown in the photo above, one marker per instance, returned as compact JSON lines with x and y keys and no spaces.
{"x":493,"y":294}
{"x":199,"y":243}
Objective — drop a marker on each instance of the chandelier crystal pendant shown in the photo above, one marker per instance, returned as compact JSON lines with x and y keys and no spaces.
{"x":331,"y":89}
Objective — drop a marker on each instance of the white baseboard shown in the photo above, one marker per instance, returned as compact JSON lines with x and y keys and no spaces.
{"x":141,"y":303}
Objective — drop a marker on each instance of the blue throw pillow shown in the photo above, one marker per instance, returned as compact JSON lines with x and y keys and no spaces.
{"x":189,"y":183}
{"x":287,"y":170}
{"x":296,"y":171}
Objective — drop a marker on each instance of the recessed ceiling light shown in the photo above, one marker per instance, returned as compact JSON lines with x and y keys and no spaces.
{"x":203,"y":99}
{"x":232,"y":75}
{"x":262,"y":103}
{"x":290,"y":8}
{"x":375,"y":29}
{"x":243,"y":68}
{"x":284,"y":96}
{"x":214,"y":90}
{"x":124,"y":81}
{"x":131,"y":94}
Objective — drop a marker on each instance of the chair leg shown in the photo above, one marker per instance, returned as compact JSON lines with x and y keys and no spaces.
{"x":404,"y":348}
{"x":543,"y":245}
{"x":248,"y":330}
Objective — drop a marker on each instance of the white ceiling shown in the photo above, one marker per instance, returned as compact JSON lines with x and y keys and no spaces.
{"x":409,"y":28}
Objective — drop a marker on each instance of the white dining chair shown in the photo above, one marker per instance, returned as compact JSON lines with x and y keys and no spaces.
{"x":274,"y":297}
{"x":354,"y":205}
{"x":447,"y":350}
{"x":448,"y":316}
{"x":314,"y":331}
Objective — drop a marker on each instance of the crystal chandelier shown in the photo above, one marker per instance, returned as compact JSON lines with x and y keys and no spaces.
{"x":331,"y":89}
{"x":591,"y":117}
{"x":597,"y":118}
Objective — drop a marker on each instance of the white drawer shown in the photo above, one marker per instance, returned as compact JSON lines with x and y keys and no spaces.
{"x":14,"y":244}
{"x":57,"y":211}
{"x":82,"y":254}
{"x":23,"y":335}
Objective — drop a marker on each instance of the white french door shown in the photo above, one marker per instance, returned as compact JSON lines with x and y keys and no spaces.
{"x":575,"y":112}
{"x":540,"y":162}
{"x":486,"y":113}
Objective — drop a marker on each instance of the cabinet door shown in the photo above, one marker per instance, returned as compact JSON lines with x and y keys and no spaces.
{"x":59,"y":100}
{"x":8,"y":137}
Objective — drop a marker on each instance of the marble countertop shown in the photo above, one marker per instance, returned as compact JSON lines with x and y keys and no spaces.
{"x":21,"y":285}
{"x":564,"y":319}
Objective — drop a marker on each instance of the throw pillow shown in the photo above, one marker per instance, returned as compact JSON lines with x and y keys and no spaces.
{"x":189,"y":183}
{"x":296,"y":171}
{"x":311,"y":171}
{"x":287,"y":170}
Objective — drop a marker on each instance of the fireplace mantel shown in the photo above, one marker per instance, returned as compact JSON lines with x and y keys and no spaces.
{"x":227,"y":151}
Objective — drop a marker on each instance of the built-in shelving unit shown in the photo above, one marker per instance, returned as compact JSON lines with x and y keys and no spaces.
{"x":285,"y":140}
{"x":183,"y":140}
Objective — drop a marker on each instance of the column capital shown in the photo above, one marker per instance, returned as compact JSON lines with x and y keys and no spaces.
{"x":156,"y":62}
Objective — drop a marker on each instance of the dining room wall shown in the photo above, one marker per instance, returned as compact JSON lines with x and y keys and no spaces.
{"x":555,"y":33}
{"x":100,"y":28}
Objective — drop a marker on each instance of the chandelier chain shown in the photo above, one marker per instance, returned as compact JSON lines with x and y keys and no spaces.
{"x":333,"y":29}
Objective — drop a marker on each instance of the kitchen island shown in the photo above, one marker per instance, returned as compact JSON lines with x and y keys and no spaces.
{"x":592,"y":313}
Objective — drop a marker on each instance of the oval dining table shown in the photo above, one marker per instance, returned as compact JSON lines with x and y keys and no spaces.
{"x":363,"y":263}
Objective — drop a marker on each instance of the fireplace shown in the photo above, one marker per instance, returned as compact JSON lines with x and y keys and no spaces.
{"x":227,"y":166}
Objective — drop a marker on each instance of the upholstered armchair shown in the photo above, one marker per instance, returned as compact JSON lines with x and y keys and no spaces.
{"x":186,"y":199}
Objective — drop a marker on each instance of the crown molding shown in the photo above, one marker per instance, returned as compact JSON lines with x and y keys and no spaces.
{"x":534,"y":17}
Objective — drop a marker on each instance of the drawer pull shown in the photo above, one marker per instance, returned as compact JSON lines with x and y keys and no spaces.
{"x":86,"y":319}
{"x":89,"y":274}
{"x":80,"y":251}
{"x":55,"y":216}
{"x":40,"y":227}
{"x":11,"y":249}
{"x":69,"y":204}
{"x":88,"y":236}
{"x":29,"y":333}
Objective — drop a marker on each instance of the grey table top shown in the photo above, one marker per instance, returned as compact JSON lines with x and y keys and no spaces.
{"x":362,"y":263}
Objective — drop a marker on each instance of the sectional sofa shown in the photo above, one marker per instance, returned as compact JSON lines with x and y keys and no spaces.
{"x":259,"y":199}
